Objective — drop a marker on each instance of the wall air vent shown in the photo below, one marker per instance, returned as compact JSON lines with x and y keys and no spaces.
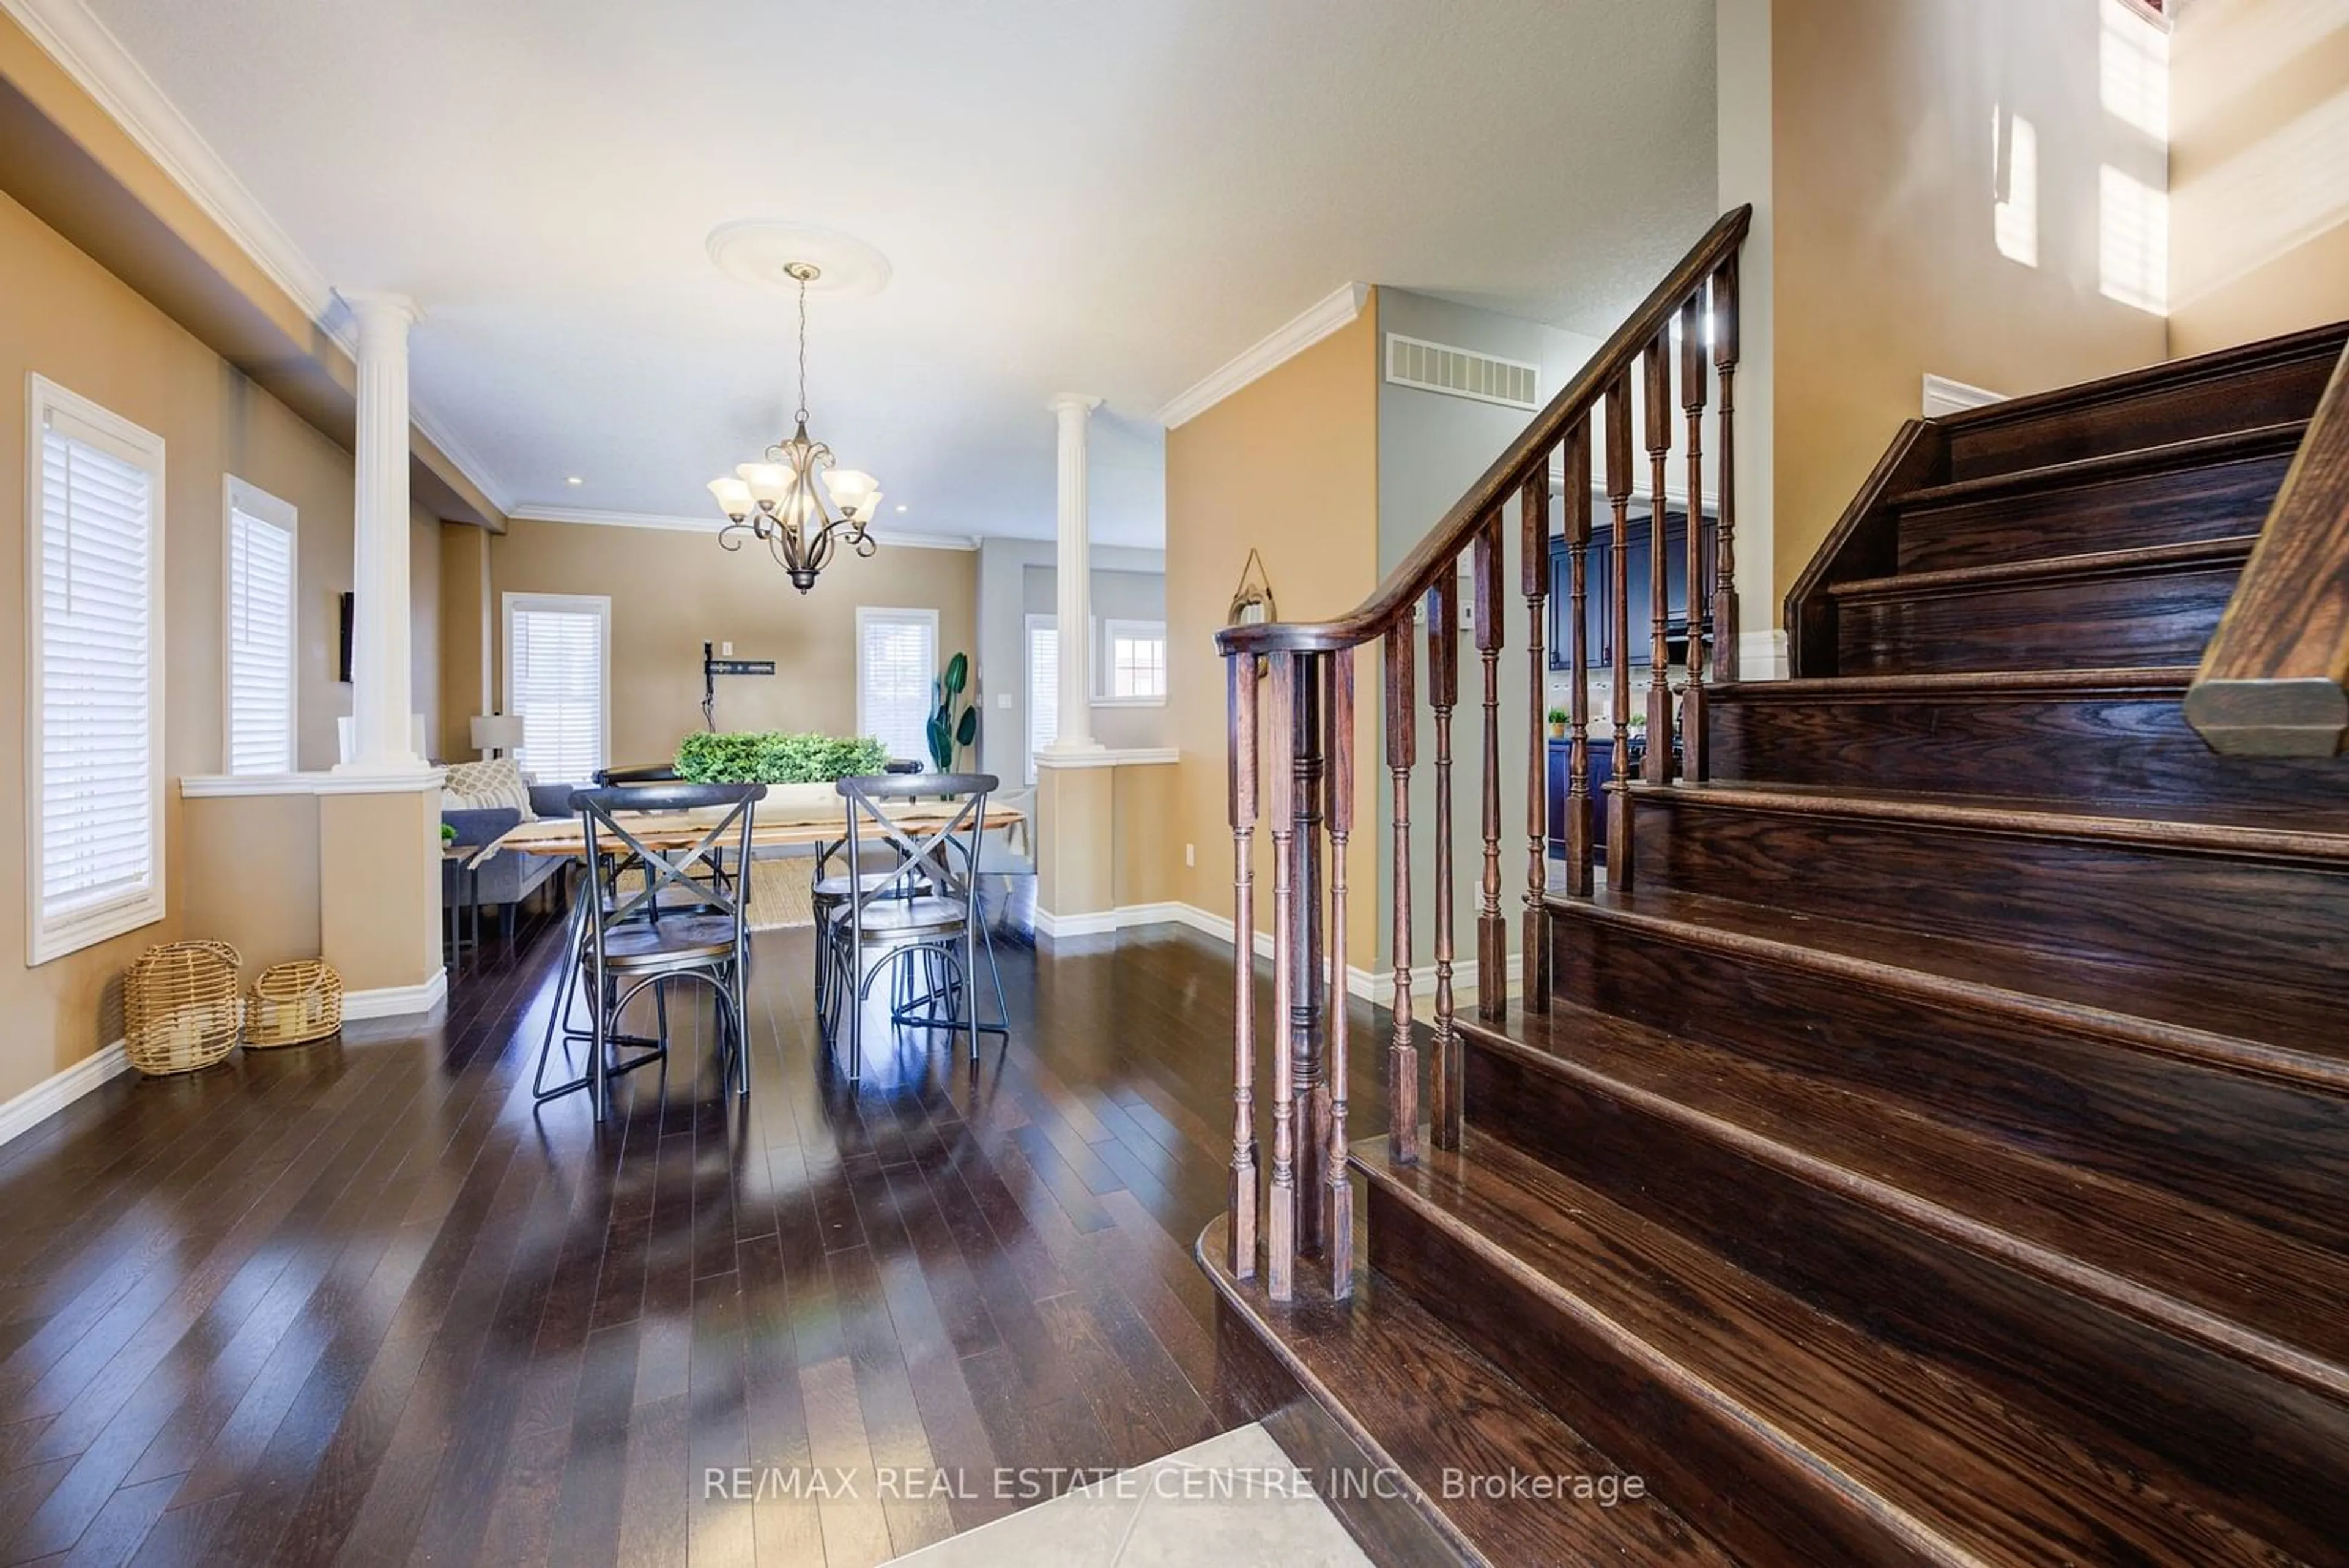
{"x":1457,"y":373}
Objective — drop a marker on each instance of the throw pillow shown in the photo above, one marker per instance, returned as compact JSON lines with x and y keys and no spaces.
{"x":478,"y":786}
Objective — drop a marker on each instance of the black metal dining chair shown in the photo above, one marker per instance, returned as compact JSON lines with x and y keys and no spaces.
{"x":920,"y":921}
{"x":654,"y":915}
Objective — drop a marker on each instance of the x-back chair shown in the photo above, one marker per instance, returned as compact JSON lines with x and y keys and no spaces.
{"x":921,"y":918}
{"x":648,"y":914}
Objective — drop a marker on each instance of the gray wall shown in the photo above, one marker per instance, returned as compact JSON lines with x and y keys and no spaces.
{"x":1016,"y":577}
{"x":1432,"y":447}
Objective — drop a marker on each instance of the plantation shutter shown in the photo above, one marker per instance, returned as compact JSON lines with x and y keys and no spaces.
{"x":557,"y":680}
{"x":260,"y":645}
{"x":96,"y":772}
{"x":896,"y":659}
{"x":1043,"y":686}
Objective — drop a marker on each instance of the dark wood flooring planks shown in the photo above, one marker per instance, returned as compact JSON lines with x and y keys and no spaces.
{"x":360,"y":1302}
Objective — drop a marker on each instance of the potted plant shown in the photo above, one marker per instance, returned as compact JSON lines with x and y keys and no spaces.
{"x":1557,"y":721}
{"x":798,"y":769}
{"x":947,"y":730}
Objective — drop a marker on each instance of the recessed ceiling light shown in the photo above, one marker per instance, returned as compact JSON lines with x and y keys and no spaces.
{"x":574,"y":479}
{"x":901,"y":506}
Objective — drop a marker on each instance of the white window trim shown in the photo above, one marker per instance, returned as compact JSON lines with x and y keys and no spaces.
{"x":598,"y":605}
{"x":44,"y":939}
{"x":1104,"y":641}
{"x":866,"y":613}
{"x":239,"y":495}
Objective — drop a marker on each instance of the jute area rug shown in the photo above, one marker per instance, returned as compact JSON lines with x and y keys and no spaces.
{"x":778,"y":893}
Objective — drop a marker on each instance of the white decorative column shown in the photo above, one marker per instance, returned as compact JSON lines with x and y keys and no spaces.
{"x":1073,"y":568}
{"x":381,"y":699}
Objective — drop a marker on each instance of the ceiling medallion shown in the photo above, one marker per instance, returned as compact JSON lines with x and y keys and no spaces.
{"x":777,"y":502}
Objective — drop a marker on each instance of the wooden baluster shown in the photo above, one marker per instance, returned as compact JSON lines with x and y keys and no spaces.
{"x":1618,"y":496}
{"x":1403,"y":744}
{"x":1656,"y":385}
{"x":1492,"y":931}
{"x":1533,"y":539}
{"x":1578,"y":836}
{"x":1280,"y":1220}
{"x":1308,"y":990}
{"x":1338,"y":1218}
{"x":1724,"y":545}
{"x":1240,"y":678}
{"x":1692,"y":390}
{"x":1443,"y":692}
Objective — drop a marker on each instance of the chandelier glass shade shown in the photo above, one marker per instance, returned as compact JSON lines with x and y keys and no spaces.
{"x":781,"y":500}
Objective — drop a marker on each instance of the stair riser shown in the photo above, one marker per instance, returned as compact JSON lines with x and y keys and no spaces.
{"x":2269,"y":924}
{"x":2281,"y":1453}
{"x":2091,"y":623}
{"x":2132,"y":748}
{"x":2268,"y":395}
{"x":2277,"y":1156}
{"x":1732,"y":1485}
{"x":2215,"y":503}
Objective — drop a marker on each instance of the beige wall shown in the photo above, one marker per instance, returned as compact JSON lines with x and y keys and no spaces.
{"x":2259,"y":169}
{"x":673,"y":591}
{"x":66,"y":317}
{"x":465,"y":581}
{"x":252,"y":875}
{"x":1886,"y":265}
{"x":1288,"y":465}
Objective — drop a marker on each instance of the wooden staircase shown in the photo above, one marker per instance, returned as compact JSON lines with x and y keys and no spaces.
{"x":1932,"y":1146}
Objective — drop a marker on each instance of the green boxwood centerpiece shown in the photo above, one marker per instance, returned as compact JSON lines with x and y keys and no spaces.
{"x":772,"y":757}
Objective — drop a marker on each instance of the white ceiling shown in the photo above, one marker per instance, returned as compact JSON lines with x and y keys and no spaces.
{"x":1107,"y":196}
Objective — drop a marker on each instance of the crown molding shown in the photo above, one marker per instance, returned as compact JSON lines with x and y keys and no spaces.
{"x":709,"y":526}
{"x":95,"y":59}
{"x":1300,"y":332}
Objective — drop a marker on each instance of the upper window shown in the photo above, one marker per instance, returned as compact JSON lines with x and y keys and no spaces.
{"x":1134,"y":663}
{"x":1043,"y":685}
{"x":260,"y":612}
{"x":94,"y":678}
{"x":559,"y":679}
{"x":896,"y":659}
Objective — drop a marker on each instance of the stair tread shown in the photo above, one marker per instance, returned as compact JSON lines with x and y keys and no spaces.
{"x":2221,"y":829}
{"x":1383,"y":1362}
{"x":1890,"y":1429}
{"x":2193,"y":452}
{"x":2210,"y":1274}
{"x":2205,"y":1018}
{"x":2046,"y":570}
{"x":2147,"y":680}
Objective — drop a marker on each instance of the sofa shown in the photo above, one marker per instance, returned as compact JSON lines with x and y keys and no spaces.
{"x":509,"y":878}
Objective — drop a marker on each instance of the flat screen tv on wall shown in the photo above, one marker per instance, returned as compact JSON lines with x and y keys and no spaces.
{"x":343,"y":657}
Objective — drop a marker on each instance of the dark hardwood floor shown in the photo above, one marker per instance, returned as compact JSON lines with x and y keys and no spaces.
{"x":362,"y":1303}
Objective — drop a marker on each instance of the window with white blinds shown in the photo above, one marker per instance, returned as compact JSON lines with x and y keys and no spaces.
{"x":559,"y":679}
{"x":261,"y":617}
{"x":1043,"y":685}
{"x":93,"y":755}
{"x":896,"y":659}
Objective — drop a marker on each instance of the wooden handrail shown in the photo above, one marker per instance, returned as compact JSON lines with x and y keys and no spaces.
{"x":2275,"y":681}
{"x":1398,"y":594}
{"x":1300,"y":737}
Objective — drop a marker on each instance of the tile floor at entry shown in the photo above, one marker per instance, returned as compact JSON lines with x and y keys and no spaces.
{"x":1228,"y":1501}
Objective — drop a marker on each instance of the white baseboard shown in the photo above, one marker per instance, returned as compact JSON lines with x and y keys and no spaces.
{"x":55,"y":1092}
{"x":1369,"y":985}
{"x":1761,"y":655}
{"x":396,"y":1001}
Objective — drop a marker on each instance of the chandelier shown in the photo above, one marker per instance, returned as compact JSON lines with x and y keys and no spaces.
{"x":777,"y":502}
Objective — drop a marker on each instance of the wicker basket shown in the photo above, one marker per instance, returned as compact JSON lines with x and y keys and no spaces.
{"x":181,"y":1007}
{"x":293,"y":1003}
